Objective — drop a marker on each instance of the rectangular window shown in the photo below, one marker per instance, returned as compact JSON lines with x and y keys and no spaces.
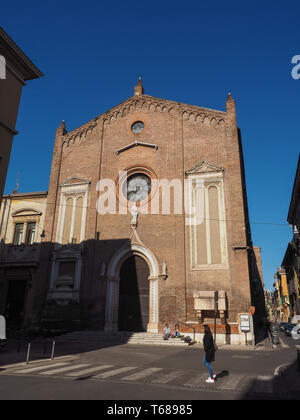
{"x":66,"y":274}
{"x":30,"y":235}
{"x":18,"y":235}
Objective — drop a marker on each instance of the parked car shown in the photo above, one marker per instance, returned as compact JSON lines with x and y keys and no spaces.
{"x":295,"y":333}
{"x":2,"y":331}
{"x":282,"y":325}
{"x":288,"y":329}
{"x":296,"y":319}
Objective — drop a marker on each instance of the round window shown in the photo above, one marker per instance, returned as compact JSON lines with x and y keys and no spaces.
{"x":137,"y":187}
{"x":137,"y":127}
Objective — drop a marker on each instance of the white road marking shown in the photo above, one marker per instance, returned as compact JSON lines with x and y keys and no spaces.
{"x":141,"y":374}
{"x":87,"y":371}
{"x":64,"y":369}
{"x":241,"y":357}
{"x":113,"y":372}
{"x":164,"y":379}
{"x":197,"y":381}
{"x":36,"y":369}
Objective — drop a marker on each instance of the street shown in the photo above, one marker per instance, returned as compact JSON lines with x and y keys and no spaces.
{"x":139,"y":372}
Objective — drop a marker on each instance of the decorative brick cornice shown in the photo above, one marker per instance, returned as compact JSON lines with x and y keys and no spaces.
{"x":153,"y":104}
{"x":79,"y":133}
{"x":148,"y":103}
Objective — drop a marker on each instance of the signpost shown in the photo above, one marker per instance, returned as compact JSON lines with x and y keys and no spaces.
{"x":216,"y":313}
{"x":245,"y":325}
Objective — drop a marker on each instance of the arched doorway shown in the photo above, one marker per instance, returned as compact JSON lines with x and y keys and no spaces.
{"x":113,"y":282}
{"x":133,"y":311}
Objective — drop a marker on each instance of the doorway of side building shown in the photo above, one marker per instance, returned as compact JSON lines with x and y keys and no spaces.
{"x":15,"y":303}
{"x":133,"y":313}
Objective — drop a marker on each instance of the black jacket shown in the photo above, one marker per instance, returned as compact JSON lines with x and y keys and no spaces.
{"x":209,"y":348}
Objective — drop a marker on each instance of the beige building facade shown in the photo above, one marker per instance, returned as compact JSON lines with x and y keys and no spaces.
{"x":22,"y":218}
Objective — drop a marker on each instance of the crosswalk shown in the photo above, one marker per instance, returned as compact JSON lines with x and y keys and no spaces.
{"x":153,"y":375}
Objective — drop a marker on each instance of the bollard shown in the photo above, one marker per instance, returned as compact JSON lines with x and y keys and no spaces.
{"x":298,"y":360}
{"x":28,"y":353}
{"x":53,"y":347}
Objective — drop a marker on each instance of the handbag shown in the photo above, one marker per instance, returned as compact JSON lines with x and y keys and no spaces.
{"x":215,"y":347}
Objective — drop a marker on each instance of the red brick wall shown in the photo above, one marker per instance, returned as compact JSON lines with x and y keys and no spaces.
{"x":185,"y":135}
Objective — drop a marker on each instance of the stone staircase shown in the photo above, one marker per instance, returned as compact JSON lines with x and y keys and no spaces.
{"x":101,"y":337}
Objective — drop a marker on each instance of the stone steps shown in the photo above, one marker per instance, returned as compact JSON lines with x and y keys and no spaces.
{"x":120,"y":338}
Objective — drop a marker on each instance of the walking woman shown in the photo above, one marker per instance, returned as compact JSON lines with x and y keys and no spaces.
{"x":209,"y":355}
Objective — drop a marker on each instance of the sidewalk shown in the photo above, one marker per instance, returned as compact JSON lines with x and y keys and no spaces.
{"x":16,"y":351}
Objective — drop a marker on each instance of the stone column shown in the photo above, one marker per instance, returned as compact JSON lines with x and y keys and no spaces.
{"x":153,"y":305}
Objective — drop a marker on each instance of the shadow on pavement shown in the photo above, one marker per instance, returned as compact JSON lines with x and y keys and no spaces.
{"x":285,"y":385}
{"x":18,"y":351}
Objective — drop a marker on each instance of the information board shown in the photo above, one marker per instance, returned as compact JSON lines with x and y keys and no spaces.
{"x":245,"y":323}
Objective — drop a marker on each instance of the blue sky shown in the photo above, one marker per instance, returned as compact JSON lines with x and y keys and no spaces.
{"x":92,"y":53}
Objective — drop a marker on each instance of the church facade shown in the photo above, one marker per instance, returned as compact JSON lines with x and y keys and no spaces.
{"x":147,"y":222}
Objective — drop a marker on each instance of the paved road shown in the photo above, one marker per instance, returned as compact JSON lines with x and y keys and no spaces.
{"x":160,"y":373}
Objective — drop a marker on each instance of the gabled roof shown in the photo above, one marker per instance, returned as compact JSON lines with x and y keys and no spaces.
{"x":74,"y":181}
{"x":163,"y":105}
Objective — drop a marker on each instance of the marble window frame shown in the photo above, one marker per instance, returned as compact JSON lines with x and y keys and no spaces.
{"x":210,"y":179}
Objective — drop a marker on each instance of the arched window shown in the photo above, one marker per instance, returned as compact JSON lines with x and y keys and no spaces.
{"x":77,"y":220}
{"x":67,"y":220}
{"x":72,"y":225}
{"x":72,"y":211}
{"x":208,"y":245}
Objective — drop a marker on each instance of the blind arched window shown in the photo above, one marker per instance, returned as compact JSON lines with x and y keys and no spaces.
{"x":208,"y":246}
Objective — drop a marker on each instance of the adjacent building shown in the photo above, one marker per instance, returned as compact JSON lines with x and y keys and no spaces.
{"x":15,"y":70}
{"x":22,"y":219}
{"x":269,"y":304}
{"x":291,"y":260}
{"x":281,"y":299}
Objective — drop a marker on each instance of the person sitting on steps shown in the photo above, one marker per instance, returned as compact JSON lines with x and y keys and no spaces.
{"x":167,"y":332}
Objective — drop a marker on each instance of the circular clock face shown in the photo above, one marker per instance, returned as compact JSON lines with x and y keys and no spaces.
{"x":137,"y":187}
{"x":137,"y":127}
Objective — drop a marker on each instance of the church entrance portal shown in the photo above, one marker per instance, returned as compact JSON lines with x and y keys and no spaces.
{"x":133,"y":313}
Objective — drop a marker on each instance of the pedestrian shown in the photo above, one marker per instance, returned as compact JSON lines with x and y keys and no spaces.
{"x":176,"y":331}
{"x":209,"y":355}
{"x":167,"y":332}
